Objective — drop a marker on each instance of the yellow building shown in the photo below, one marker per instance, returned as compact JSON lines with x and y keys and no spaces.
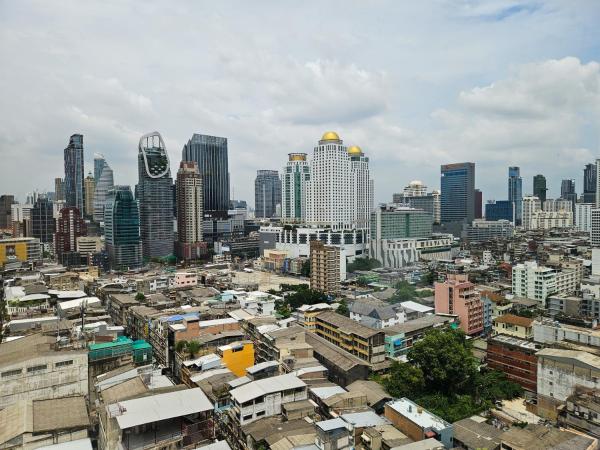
{"x":237,"y":356}
{"x":512,"y":325}
{"x":15,"y":250}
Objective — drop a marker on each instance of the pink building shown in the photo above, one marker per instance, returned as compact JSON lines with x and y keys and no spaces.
{"x":185,"y":279}
{"x":458,"y":296}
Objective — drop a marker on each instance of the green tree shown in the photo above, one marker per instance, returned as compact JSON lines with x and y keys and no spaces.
{"x":363,"y":264}
{"x":404,"y":292}
{"x":343,"y":308}
{"x":180,"y":346}
{"x":362,"y":280}
{"x":493,"y":385}
{"x":193,"y":347}
{"x":305,"y":296}
{"x":305,"y":269}
{"x":140,"y":297}
{"x":282,"y":308}
{"x":404,"y":380}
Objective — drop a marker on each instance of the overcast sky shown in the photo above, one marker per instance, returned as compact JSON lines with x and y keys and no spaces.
{"x":415,"y":83}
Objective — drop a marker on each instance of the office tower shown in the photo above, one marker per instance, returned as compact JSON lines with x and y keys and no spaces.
{"x":340,"y":191}
{"x":597,"y":183}
{"x":531,"y":205}
{"x":189,"y":211}
{"x":122,"y":229}
{"x":59,"y":190}
{"x":6,"y":202}
{"x":267,"y":193}
{"x":210,"y":153}
{"x":478,"y":204}
{"x":539,"y":187}
{"x":104,"y":183}
{"x":89,"y":188}
{"x":589,"y":183}
{"x":155,"y":195}
{"x":294,"y":179}
{"x":458,"y":192}
{"x":437,"y":206}
{"x":99,"y":162}
{"x":42,"y":220}
{"x":595,"y":232}
{"x":324,"y":268}
{"x":73,"y":184}
{"x":499,"y":210}
{"x":567,"y":192}
{"x":515,"y":192}
{"x":392,"y":222}
{"x":69,"y":227}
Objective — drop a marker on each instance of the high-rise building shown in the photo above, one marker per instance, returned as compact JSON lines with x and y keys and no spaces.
{"x":189,"y":211}
{"x":531,"y":205}
{"x":478,"y":204}
{"x":294,"y":179}
{"x":324,"y":268}
{"x":59,"y":190}
{"x":589,"y":183}
{"x":558,"y":204}
{"x":99,"y":162}
{"x":89,"y":187}
{"x":6,"y":202}
{"x":515,"y":192}
{"x":340,"y":190}
{"x":539,"y":187}
{"x":267,"y":193}
{"x":69,"y":227}
{"x":499,"y":210}
{"x":415,"y":188}
{"x":397,"y":222}
{"x":583,"y":217}
{"x":458,"y":192}
{"x":42,"y":220}
{"x":155,"y":196}
{"x":598,"y":183}
{"x":567,"y":192}
{"x":104,"y":183}
{"x":73,"y":184}
{"x":210,"y":153}
{"x":458,"y":296}
{"x":122,"y":229}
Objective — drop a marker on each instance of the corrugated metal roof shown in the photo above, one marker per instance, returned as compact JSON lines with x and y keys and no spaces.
{"x":266,"y":386}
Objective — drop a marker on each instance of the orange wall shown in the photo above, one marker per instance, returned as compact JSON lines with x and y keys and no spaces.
{"x":239,"y":361}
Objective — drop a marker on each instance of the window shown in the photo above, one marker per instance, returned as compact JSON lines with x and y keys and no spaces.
{"x":248,"y":417}
{"x":64,"y":363}
{"x":33,"y":369}
{"x":11,"y":373}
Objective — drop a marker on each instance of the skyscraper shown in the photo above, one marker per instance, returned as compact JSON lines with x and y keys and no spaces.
{"x":267,"y":193}
{"x":589,"y":183}
{"x":210,"y":153}
{"x":73,"y":184}
{"x":99,"y":162}
{"x":539,"y":187}
{"x":104,"y":183}
{"x":567,"y":192}
{"x":515,"y":192}
{"x":69,"y":227}
{"x":458,"y":192}
{"x":155,"y":195}
{"x":122,"y":229}
{"x":189,"y":211}
{"x":89,"y":187}
{"x":59,"y":190}
{"x":478,"y":204}
{"x":42,"y":220}
{"x":6,"y":202}
{"x":294,"y":179}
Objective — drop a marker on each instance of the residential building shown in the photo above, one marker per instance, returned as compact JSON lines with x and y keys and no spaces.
{"x":267,"y":193}
{"x":546,"y":331}
{"x":89,"y":190}
{"x":511,"y":325}
{"x":559,"y":373}
{"x":189,"y":211}
{"x":458,"y":192}
{"x":418,"y":423}
{"x":73,"y":183}
{"x":583,"y":217}
{"x":104,"y":183}
{"x":487,"y":230}
{"x":6,"y":202}
{"x":400,"y":338}
{"x":547,"y":220}
{"x":19,"y":250}
{"x":376,"y":316}
{"x":87,"y":245}
{"x":294,"y":180}
{"x":535,"y":436}
{"x":582,"y":412}
{"x":325,"y":273}
{"x":515,"y":192}
{"x":59,"y":190}
{"x":210,"y":153}
{"x":595,"y":231}
{"x":155,"y":197}
{"x":516,"y":358}
{"x":539,"y":188}
{"x":69,"y":227}
{"x":531,"y":206}
{"x":558,"y":205}
{"x":457,"y":296}
{"x":501,"y":210}
{"x":534,"y":282}
{"x":42,"y":220}
{"x":589,"y":184}
{"x":122,"y":229}
{"x":364,"y":342}
{"x":472,"y":434}
{"x":237,"y":356}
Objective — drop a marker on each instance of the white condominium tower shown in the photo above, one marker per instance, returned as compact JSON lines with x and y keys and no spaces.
{"x":294,"y":179}
{"x":340,"y":191}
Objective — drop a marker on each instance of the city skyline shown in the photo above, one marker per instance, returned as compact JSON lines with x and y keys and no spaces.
{"x":411,"y":113}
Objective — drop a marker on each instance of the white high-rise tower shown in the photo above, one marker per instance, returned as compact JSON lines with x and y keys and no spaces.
{"x":294,"y":179}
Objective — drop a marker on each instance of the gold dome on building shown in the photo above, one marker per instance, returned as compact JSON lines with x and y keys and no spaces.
{"x":355,"y":150}
{"x":330,"y":136}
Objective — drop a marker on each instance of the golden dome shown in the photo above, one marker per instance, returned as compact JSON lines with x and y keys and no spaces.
{"x":330,"y":136}
{"x":297,"y":156}
{"x":355,"y":150}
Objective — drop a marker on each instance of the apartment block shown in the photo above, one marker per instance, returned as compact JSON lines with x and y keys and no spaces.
{"x":324,"y":268}
{"x":458,"y":296}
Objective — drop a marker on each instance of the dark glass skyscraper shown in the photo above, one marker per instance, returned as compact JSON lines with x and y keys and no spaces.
{"x":122,"y":229}
{"x":567,"y":191}
{"x":210,"y":153}
{"x":6,"y":202}
{"x":155,"y":195}
{"x":515,"y":192}
{"x":589,"y":183}
{"x":539,"y":187}
{"x":267,"y":193}
{"x":42,"y":220}
{"x":73,"y":183}
{"x":478,"y":204}
{"x":458,"y":192}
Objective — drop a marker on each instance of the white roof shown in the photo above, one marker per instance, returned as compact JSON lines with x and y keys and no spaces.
{"x":414,"y":306}
{"x":209,"y":373}
{"x":14,"y":292}
{"x":424,"y":418}
{"x":240,"y":314}
{"x":210,"y":323}
{"x":332,"y":424}
{"x":151,"y":409}
{"x":76,"y":303}
{"x":32,"y":320}
{"x":327,"y":391}
{"x":364,"y":419}
{"x":314,"y":307}
{"x":79,"y":444}
{"x":27,"y":298}
{"x":266,"y":386}
{"x":67,"y":294}
{"x":205,"y":359}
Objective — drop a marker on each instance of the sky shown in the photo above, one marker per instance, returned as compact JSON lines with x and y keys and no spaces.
{"x":414,"y":84}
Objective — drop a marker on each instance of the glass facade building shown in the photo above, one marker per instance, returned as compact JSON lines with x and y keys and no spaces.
{"x":539,"y":187}
{"x":515,"y":192}
{"x":155,"y":196}
{"x":458,"y":192}
{"x":122,"y":229}
{"x":589,"y":183}
{"x":267,"y":193}
{"x":390,"y":222}
{"x":73,"y":183}
{"x":104,"y":183}
{"x":210,"y":153}
{"x":499,"y":210}
{"x":42,"y":220}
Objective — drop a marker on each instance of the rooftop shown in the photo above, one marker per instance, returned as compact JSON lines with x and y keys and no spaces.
{"x":335,"y":355}
{"x":476,"y":434}
{"x":266,"y":386}
{"x":347,"y":325}
{"x":418,"y":415}
{"x":414,"y":306}
{"x":514,"y":320}
{"x":573,"y":355}
{"x":418,"y":324}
